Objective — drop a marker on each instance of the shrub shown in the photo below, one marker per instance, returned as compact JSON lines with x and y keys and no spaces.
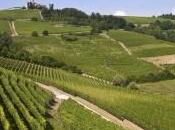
{"x":46,"y":61}
{"x":69,"y":37}
{"x":133,"y":86}
{"x":120,"y":81}
{"x":34,"y":19}
{"x":23,"y":55}
{"x":72,"y":69}
{"x":153,"y":77}
{"x":5,"y":40}
{"x":35,"y":34}
{"x":45,"y":33}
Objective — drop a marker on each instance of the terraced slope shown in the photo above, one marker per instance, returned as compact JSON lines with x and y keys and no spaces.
{"x":144,"y":109}
{"x":19,"y":14}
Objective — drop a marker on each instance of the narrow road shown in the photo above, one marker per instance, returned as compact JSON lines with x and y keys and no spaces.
{"x":120,"y":43}
{"x":104,"y":114}
{"x":12,"y":28}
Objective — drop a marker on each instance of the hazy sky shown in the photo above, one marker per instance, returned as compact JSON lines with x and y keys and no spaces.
{"x":118,"y":7}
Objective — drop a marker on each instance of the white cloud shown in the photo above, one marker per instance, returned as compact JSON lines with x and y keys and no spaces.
{"x":120,"y":13}
{"x":173,"y":11}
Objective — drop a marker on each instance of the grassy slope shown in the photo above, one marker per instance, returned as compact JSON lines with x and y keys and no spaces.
{"x":27,"y":27}
{"x":95,"y":55}
{"x":75,"y":117}
{"x":163,"y":87}
{"x":143,"y":45}
{"x":152,"y":112}
{"x":19,"y":14}
{"x":4,"y":26}
{"x":141,"y":20}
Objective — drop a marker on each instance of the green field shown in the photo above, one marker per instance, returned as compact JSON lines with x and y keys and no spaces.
{"x":19,"y":14}
{"x":150,"y":111}
{"x":4,"y":26}
{"x":27,"y":27}
{"x":142,"y":20}
{"x":142,"y":45}
{"x":95,"y":55}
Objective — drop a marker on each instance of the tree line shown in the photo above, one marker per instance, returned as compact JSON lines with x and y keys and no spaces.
{"x":77,"y":17}
{"x":164,"y":30}
{"x":168,"y":16}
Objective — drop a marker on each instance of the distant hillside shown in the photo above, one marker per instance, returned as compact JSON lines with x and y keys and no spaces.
{"x":141,"y":20}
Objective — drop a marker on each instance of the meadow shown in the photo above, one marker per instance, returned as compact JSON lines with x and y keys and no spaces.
{"x":150,"y":111}
{"x":142,"y":45}
{"x":19,"y":14}
{"x":27,"y":27}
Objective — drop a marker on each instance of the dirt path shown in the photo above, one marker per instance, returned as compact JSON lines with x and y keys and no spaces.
{"x":41,"y":16}
{"x":125,"y":48}
{"x":105,"y":115}
{"x":119,"y":42}
{"x":12,"y":28}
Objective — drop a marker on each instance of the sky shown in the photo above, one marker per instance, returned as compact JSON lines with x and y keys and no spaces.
{"x":115,"y":7}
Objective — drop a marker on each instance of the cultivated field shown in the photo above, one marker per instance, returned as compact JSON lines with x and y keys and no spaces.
{"x":95,"y":55}
{"x":27,"y":27}
{"x":146,"y":110}
{"x":143,"y":45}
{"x":19,"y":14}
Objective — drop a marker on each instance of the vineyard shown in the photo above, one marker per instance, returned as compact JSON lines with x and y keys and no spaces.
{"x":40,"y":73}
{"x":23,"y":105}
{"x":123,"y":103}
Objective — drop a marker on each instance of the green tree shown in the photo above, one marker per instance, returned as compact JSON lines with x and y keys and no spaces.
{"x":35,"y":34}
{"x":5,"y":40}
